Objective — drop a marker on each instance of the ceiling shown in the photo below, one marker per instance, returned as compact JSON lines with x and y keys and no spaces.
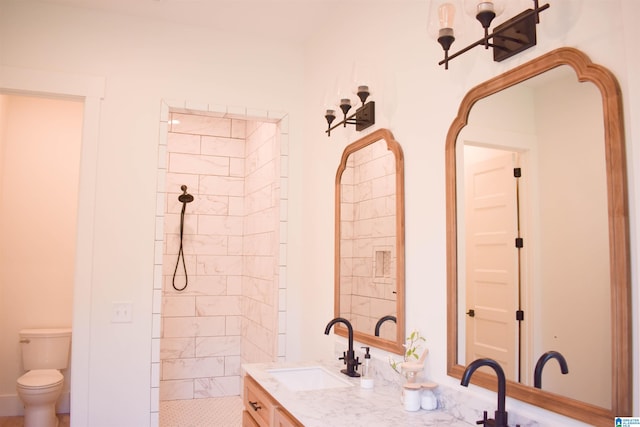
{"x":285,"y":19}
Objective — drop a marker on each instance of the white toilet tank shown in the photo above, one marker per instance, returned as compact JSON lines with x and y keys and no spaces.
{"x":45,"y":348}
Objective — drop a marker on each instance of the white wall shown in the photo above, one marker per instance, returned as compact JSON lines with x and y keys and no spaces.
{"x":143,"y":62}
{"x":573,"y":250}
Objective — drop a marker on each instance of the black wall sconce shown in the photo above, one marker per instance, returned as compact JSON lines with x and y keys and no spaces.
{"x":364,"y":116}
{"x":507,"y":39}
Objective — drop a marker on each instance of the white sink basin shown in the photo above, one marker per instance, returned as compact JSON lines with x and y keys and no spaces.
{"x":308,"y":378}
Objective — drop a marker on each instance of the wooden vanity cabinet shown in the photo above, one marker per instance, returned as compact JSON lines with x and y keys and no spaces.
{"x":247,"y":420}
{"x":282,"y":418}
{"x":262,"y":410}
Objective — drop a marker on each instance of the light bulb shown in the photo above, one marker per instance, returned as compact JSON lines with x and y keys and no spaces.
{"x":446,"y":15}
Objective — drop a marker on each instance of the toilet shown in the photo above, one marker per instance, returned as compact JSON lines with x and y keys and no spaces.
{"x":44,"y":353}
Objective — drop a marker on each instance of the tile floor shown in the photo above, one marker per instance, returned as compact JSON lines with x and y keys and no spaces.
{"x":218,"y":411}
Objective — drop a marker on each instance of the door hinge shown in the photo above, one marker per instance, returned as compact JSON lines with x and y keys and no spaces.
{"x":519,"y":242}
{"x":519,"y":315}
{"x":517,"y":172}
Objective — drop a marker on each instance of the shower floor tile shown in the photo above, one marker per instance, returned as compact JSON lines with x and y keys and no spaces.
{"x":217,"y":411}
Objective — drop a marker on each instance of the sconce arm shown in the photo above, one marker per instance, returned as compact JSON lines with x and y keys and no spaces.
{"x":362,"y":118}
{"x":485,"y":41}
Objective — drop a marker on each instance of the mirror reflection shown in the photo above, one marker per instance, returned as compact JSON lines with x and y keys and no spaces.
{"x":532,"y":201}
{"x":370,"y":241}
{"x":537,"y":237}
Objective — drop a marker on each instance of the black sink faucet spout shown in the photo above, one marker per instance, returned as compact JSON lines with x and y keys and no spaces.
{"x":349,"y":356}
{"x":381,"y":321}
{"x":500,"y":415}
{"x":537,"y":375}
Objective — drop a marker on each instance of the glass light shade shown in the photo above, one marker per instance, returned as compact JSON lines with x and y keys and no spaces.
{"x":473,"y":7}
{"x":362,"y":79}
{"x":444,"y":14}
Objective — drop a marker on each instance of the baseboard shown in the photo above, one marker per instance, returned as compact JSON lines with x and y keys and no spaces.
{"x":11,"y":405}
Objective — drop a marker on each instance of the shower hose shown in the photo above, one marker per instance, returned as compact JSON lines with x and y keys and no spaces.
{"x":181,"y":255}
{"x":184,"y":198}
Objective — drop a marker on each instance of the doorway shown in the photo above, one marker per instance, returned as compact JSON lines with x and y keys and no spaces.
{"x":91,"y":90}
{"x":40,"y":152}
{"x":232,"y":311}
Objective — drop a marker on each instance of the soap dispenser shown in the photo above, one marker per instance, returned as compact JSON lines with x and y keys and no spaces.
{"x":366,"y":380}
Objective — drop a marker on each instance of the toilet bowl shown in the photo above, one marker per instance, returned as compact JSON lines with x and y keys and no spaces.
{"x":39,"y":390}
{"x":44,"y":353}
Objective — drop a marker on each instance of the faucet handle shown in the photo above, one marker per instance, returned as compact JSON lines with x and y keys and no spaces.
{"x":484,"y":419}
{"x":343,"y":358}
{"x":355,"y":362}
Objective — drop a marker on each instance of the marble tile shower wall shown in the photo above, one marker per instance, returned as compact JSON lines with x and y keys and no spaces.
{"x":368,"y":244}
{"x":261,"y":244}
{"x":228,"y":313}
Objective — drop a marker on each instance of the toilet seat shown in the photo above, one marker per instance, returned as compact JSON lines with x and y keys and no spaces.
{"x":40,"y":378}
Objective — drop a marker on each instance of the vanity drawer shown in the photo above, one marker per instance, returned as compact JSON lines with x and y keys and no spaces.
{"x":258,"y":403}
{"x":248,"y":421}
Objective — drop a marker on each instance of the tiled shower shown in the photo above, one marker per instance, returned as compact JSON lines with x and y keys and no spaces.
{"x":234,"y":241}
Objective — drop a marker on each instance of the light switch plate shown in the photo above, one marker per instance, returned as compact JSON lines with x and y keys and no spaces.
{"x":122,"y":312}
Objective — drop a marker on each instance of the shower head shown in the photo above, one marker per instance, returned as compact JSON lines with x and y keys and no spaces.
{"x":184,"y":197}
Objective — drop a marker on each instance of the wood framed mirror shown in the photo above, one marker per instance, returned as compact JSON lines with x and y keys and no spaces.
{"x":369,"y":241}
{"x":537,"y":328}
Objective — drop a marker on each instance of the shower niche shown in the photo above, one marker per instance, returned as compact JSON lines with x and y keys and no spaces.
{"x":218,"y":276}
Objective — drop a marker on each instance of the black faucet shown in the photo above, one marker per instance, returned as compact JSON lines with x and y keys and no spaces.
{"x":537,"y":375}
{"x":500,"y":419}
{"x":381,"y":321}
{"x":349,"y":356}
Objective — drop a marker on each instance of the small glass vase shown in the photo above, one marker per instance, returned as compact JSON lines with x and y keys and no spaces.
{"x":411,"y":370}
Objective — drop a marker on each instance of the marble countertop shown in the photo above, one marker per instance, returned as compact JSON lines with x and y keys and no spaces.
{"x":347,"y":406}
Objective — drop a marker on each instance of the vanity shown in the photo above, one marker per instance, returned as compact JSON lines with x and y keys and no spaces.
{"x":277,"y":394}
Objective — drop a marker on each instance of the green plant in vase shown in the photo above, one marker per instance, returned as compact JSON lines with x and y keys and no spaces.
{"x":413,"y":361}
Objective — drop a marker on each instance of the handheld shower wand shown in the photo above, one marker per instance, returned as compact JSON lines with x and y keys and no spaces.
{"x":184,"y":198}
